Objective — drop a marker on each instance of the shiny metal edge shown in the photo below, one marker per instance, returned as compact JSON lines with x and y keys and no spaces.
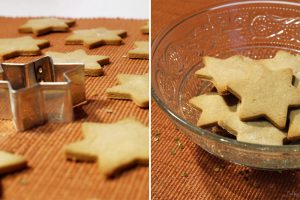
{"x":40,"y":102}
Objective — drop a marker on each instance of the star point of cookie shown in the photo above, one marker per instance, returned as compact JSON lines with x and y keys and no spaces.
{"x":92,"y":63}
{"x":216,"y":111}
{"x":284,"y":60}
{"x":221,"y":71}
{"x":266,"y":93}
{"x":114,"y":145}
{"x":210,"y":114}
{"x":260,"y":132}
{"x":141,"y":50}
{"x":133,"y":87}
{"x":145,"y":28}
{"x":46,"y":25}
{"x":21,"y":46}
{"x":96,"y":37}
{"x":10,"y":162}
{"x":294,"y":126}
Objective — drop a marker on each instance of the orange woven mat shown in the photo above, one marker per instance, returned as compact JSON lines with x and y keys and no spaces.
{"x":192,"y":173}
{"x":49,"y":175}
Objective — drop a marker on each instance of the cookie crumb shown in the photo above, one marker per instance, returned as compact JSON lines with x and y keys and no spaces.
{"x":217,"y":169}
{"x":179,"y":146}
{"x":244,"y":172}
{"x":173,"y":152}
{"x":184,"y":174}
{"x":255,"y":184}
{"x":108,"y":110}
{"x":156,"y":136}
{"x":179,"y":143}
{"x":221,"y":167}
{"x":23,"y":181}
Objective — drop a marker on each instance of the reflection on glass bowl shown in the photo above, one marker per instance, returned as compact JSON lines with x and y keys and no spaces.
{"x":257,"y":29}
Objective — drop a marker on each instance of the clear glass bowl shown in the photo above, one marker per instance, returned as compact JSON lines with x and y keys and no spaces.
{"x":257,"y":29}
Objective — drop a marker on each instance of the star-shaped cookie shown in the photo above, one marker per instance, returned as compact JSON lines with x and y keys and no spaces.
{"x":266,"y":93}
{"x":294,"y":126}
{"x":21,"y":46}
{"x":284,"y":60}
{"x":216,"y":111}
{"x":221,"y":71}
{"x":141,"y":50}
{"x":11,"y":162}
{"x":145,"y":28}
{"x":96,"y":37}
{"x":92,"y":63}
{"x":46,"y":25}
{"x":114,"y":146}
{"x":214,"y":108}
{"x":131,"y":86}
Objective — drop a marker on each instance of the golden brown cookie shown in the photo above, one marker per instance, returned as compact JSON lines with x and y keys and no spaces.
{"x":21,"y":46}
{"x":11,"y":162}
{"x":92,"y":63}
{"x":145,"y":28}
{"x":284,"y":60}
{"x":266,"y":93}
{"x":213,"y":107}
{"x":216,"y":111}
{"x":133,"y":87}
{"x":96,"y":37}
{"x":221,"y":71}
{"x":294,"y":126}
{"x":46,"y":25}
{"x":141,"y":50}
{"x":114,"y":146}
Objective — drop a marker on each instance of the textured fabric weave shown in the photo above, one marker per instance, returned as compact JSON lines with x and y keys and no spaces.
{"x":192,"y":173}
{"x":49,"y":175}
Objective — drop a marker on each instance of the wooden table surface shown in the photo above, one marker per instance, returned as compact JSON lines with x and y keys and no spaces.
{"x":193,"y":173}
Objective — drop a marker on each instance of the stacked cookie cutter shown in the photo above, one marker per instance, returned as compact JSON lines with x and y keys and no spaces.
{"x":39,"y":91}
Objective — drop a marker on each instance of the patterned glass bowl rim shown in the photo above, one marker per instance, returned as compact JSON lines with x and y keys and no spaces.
{"x":202,"y":132}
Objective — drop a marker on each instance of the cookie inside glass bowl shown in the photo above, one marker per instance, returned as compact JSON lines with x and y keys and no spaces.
{"x":256,"y":30}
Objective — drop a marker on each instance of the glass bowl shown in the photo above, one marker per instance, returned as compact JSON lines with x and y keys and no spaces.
{"x":257,"y":29}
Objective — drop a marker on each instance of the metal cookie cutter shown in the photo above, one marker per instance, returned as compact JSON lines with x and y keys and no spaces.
{"x":39,"y":91}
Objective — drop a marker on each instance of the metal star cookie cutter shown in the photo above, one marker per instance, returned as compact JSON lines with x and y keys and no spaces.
{"x":39,"y":91}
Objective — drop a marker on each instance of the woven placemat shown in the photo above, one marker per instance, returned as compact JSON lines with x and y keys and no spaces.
{"x":49,"y":175}
{"x":192,"y":173}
